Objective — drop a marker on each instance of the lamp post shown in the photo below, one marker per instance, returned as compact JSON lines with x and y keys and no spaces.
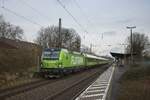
{"x":131,"y":48}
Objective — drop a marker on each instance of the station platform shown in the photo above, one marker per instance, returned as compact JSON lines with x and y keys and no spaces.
{"x":98,"y":90}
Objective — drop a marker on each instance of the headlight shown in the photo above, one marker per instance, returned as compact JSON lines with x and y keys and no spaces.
{"x":41,"y":64}
{"x":60,"y":65}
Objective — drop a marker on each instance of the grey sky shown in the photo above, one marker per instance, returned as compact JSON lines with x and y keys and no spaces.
{"x":108,"y":18}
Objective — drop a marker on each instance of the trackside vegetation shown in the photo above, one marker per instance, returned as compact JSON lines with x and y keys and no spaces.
{"x":135,"y":83}
{"x":18,"y":62}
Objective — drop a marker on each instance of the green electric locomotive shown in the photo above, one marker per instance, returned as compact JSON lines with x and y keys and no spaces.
{"x":57,"y":61}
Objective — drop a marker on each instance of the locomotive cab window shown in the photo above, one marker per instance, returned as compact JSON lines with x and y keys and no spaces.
{"x":51,"y":55}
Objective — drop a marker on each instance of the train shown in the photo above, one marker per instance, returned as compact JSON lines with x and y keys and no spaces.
{"x":59,"y":61}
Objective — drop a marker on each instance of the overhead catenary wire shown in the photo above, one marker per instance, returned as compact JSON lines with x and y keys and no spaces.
{"x":63,"y":6}
{"x":83,"y":13}
{"x":88,"y":21}
{"x":2,"y":3}
{"x":35,"y":10}
{"x":21,"y":16}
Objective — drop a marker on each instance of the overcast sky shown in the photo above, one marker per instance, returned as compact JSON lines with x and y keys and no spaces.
{"x":105,"y":20}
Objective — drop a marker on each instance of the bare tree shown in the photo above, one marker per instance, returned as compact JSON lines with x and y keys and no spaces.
{"x":85,"y":49}
{"x":10,"y":31}
{"x":49,"y":37}
{"x":139,"y":43}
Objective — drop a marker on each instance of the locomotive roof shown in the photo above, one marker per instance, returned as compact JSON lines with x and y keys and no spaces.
{"x":59,"y":49}
{"x":95,"y":57}
{"x":52,"y":49}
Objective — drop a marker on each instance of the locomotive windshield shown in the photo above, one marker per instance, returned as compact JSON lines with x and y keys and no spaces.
{"x":50,"y":55}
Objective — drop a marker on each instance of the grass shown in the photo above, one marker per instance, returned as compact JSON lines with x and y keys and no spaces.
{"x":135,"y":83}
{"x":9,"y":79}
{"x":15,"y":82}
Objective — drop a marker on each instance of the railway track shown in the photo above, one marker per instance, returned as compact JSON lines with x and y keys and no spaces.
{"x":63,"y":95}
{"x":24,"y":88}
{"x":72,"y":86}
{"x":54,"y":89}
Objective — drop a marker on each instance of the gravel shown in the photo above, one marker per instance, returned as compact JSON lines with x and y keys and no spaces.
{"x":48,"y":90}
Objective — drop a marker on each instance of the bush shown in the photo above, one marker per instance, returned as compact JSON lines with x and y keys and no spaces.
{"x":135,"y":83}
